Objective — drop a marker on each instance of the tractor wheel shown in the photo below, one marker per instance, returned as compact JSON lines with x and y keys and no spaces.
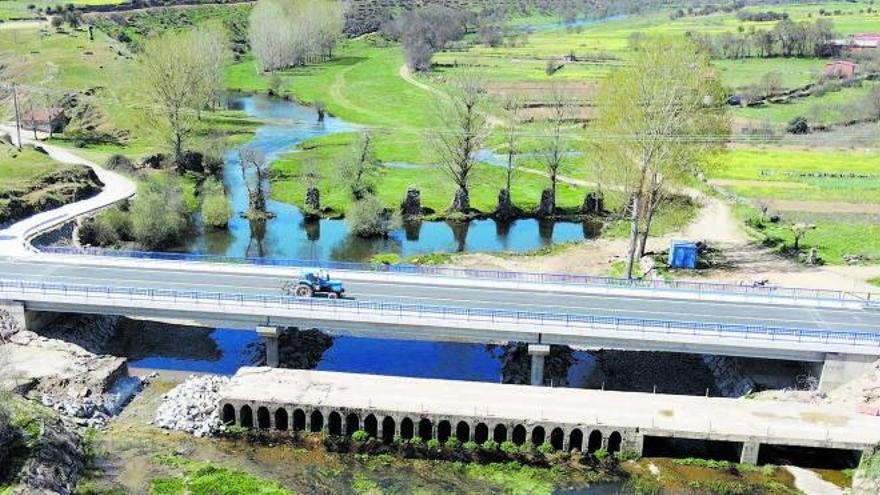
{"x":303,"y":291}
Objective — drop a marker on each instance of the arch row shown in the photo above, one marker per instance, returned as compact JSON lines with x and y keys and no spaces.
{"x":387,"y":428}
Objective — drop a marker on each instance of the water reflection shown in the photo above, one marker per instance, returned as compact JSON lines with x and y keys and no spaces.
{"x":288,"y":235}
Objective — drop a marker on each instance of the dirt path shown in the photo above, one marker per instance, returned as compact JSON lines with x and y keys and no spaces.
{"x":407,"y":75}
{"x":810,"y":483}
{"x":823,"y":206}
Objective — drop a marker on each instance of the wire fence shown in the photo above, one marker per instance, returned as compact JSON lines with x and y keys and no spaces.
{"x":351,"y":310}
{"x":467,"y":273}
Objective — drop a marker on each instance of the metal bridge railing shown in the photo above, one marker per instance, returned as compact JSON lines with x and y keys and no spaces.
{"x":19,"y":289}
{"x":527,"y":277}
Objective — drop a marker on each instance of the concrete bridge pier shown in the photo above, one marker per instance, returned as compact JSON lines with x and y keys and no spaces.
{"x":27,"y":319}
{"x":839,"y":369}
{"x":749,"y":453}
{"x":538,"y":353}
{"x":270,"y":335}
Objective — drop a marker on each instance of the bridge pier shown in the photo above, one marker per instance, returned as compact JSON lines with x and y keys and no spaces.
{"x":842,"y":368}
{"x":749,"y":453}
{"x":270,"y":335}
{"x":27,"y":319}
{"x":538,"y":352}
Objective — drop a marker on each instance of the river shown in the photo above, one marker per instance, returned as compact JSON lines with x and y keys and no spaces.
{"x":288,"y":235}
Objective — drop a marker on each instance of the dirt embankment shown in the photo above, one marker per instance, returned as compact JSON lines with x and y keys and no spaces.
{"x":68,"y":185}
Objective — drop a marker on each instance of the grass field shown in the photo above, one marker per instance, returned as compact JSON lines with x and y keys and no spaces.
{"x":19,"y":169}
{"x":18,"y":9}
{"x":831,"y":108}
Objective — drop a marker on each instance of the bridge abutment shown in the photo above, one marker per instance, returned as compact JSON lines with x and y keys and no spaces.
{"x":27,"y":319}
{"x":270,"y":335}
{"x":839,"y":369}
{"x":538,"y":352}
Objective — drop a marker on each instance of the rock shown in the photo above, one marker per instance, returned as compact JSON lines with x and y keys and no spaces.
{"x":506,"y":209}
{"x":547,"y":207}
{"x":461,"y":202}
{"x":192,"y":406}
{"x":594,"y":203}
{"x":412,"y":203}
{"x":313,"y":202}
{"x":56,"y":458}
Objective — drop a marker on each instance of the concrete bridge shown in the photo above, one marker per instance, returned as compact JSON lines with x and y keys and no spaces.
{"x":569,"y":419}
{"x":838,"y":332}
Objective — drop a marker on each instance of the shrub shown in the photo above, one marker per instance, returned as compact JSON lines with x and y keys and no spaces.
{"x":798,"y":125}
{"x":96,"y":231}
{"x":121,"y":163}
{"x":546,"y":448}
{"x":368,"y":218}
{"x":453,"y":443}
{"x":470,"y":446}
{"x":628,"y":455}
{"x":509,"y":448}
{"x":360,"y":436}
{"x":600,"y":454}
{"x":433,"y":444}
{"x":417,"y":441}
{"x":490,"y":445}
{"x":161,"y":212}
{"x":216,"y":210}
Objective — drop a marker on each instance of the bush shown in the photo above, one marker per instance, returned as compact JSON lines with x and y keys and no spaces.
{"x":546,"y":448}
{"x":121,"y":163}
{"x":360,"y":436}
{"x":368,"y":218}
{"x":798,"y":125}
{"x":453,"y":443}
{"x":433,"y":444}
{"x":600,"y":454}
{"x":96,"y":231}
{"x":509,"y":448}
{"x":490,"y":445}
{"x":216,"y":210}
{"x":161,"y":213}
{"x":470,"y":446}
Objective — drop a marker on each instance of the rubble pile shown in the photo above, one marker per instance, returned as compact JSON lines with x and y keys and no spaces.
{"x":192,"y":406}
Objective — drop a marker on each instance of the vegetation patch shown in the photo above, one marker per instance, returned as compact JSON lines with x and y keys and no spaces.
{"x":197,"y":478}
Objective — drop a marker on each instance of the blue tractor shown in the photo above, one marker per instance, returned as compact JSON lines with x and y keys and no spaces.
{"x":313,"y":283}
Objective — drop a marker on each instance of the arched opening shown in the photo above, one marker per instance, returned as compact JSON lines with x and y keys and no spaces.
{"x":334,"y":423}
{"x":500,"y":433}
{"x":463,"y":432}
{"x":576,"y":440}
{"x":317,"y":422}
{"x":481,"y":433}
{"x":538,"y":435}
{"x":426,"y":429}
{"x":371,"y":426}
{"x":228,"y":414}
{"x":406,"y":429}
{"x":557,"y":438}
{"x":352,"y":424}
{"x":519,"y":435}
{"x":614,"y":442}
{"x":444,"y":431}
{"x":299,"y":420}
{"x":594,"y":443}
{"x":263,"y":421}
{"x":281,"y":419}
{"x":247,"y":417}
{"x":388,"y":429}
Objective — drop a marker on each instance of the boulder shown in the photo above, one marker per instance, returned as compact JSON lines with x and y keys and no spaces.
{"x":547,"y":208}
{"x":412,"y":203}
{"x":594,"y":203}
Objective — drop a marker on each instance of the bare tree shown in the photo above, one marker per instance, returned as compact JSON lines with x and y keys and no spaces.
{"x":358,"y":170}
{"x":290,"y":33}
{"x":462,"y":132}
{"x":556,"y":141}
{"x":254,"y":172}
{"x":799,"y":230}
{"x":213,"y":55}
{"x":513,"y":105}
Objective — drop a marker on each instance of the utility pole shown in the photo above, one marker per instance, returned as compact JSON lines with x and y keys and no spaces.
{"x":17,"y":117}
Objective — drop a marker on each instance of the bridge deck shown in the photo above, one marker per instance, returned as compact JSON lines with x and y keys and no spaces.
{"x":738,"y":420}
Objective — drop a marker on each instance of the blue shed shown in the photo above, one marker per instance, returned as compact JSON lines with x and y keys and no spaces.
{"x":683,"y":254}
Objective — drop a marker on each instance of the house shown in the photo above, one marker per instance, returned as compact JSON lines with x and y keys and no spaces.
{"x":841,"y":69}
{"x":859,"y":41}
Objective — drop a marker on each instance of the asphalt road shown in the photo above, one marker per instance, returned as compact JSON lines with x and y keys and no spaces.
{"x":600,"y":305}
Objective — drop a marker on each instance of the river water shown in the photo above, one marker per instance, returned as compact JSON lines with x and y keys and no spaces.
{"x":288,"y":235}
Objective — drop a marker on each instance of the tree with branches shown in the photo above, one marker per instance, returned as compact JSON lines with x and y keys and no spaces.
{"x":462,"y":132}
{"x":663,"y":117}
{"x":556,"y":143}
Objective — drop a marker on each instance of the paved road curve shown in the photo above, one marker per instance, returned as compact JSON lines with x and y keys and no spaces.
{"x":268,"y":281}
